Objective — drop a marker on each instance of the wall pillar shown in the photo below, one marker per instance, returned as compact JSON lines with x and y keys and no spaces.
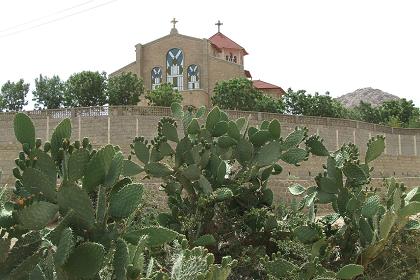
{"x":399,"y":144}
{"x":139,"y":54}
{"x":109,"y":130}
{"x":337,"y":144}
{"x":415,"y":145}
{"x":385,"y":150}
{"x":80,"y":127}
{"x":47,"y":132}
{"x":137,"y":127}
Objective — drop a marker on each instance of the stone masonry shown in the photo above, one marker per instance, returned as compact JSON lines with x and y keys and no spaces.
{"x":119,"y":125}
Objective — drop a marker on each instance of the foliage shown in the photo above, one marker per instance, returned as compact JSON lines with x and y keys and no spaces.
{"x":76,"y":212}
{"x":236,"y":94}
{"x":400,"y":108}
{"x":12,"y":95}
{"x":369,"y":223}
{"x":400,"y":260}
{"x":300,"y":103}
{"x":85,"y":89}
{"x":366,"y":112}
{"x":216,"y":174}
{"x":395,"y":113}
{"x":269,"y":104}
{"x":124,"y":89}
{"x":49,"y":92}
{"x":163,"y":95}
{"x":240,"y":94}
{"x":72,"y":212}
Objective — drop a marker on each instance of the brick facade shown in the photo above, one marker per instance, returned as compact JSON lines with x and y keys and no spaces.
{"x":212,"y":65}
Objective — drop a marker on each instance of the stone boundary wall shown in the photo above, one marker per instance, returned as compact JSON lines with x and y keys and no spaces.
{"x":120,"y":124}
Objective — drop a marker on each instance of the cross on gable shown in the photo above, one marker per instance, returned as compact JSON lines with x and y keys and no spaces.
{"x":218,"y":23}
{"x":174,"y":21}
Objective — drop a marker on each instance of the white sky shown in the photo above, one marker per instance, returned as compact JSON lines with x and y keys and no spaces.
{"x":324,"y":45}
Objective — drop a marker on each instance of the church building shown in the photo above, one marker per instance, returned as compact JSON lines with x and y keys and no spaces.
{"x":193,"y":66}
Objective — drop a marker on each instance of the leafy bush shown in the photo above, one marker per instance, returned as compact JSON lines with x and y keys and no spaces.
{"x":400,"y":259}
{"x":163,"y":95}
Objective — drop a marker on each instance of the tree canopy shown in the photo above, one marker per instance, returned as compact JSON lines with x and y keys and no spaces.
{"x":301,"y":103}
{"x":236,"y":94}
{"x":49,"y":92}
{"x":12,"y":95}
{"x":395,"y":113}
{"x":163,"y":95}
{"x":240,"y":94}
{"x":124,"y":89}
{"x":86,"y":89}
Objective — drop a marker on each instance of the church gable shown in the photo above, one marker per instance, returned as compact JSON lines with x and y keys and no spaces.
{"x":173,"y":54}
{"x":191,"y":65}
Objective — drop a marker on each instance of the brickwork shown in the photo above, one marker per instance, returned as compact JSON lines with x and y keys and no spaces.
{"x":119,"y":125}
{"x":212,"y":67}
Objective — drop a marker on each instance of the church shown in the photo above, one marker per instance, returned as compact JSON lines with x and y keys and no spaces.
{"x":193,"y":66}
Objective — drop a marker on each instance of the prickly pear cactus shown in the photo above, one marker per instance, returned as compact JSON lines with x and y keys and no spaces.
{"x":370,"y":221}
{"x":198,"y":264}
{"x":205,"y":162}
{"x":279,"y":268}
{"x":71,"y":211}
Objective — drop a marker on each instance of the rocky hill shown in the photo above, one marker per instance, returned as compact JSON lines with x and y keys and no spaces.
{"x":374,"y":96}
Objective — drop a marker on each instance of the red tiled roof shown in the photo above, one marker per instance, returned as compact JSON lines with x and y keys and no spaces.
{"x":221,"y":41}
{"x":248,"y":74}
{"x":263,"y":85}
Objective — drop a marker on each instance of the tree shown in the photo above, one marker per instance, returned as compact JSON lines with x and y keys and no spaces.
{"x":236,"y":94}
{"x":270,"y":104}
{"x":403,"y":109}
{"x":124,"y":89}
{"x":85,"y":89}
{"x":163,"y":95}
{"x":49,"y":92}
{"x":322,"y":105}
{"x":297,"y":102}
{"x":367,"y":113}
{"x":13,"y":94}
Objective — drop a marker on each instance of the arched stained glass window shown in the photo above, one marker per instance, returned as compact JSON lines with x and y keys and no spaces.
{"x":174,"y":68}
{"x":193,"y":73}
{"x":156,"y":77}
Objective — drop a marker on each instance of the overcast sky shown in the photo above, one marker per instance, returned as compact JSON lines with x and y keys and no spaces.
{"x":325,"y":45}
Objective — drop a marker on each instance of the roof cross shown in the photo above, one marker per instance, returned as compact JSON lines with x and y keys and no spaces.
{"x":174,"y":21}
{"x":218,"y":23}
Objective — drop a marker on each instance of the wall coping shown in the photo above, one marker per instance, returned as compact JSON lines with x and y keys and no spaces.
{"x":105,"y":111}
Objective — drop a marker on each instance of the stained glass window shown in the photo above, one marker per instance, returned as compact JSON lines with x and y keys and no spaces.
{"x":193,"y":73}
{"x":156,"y":77}
{"x":174,"y":68}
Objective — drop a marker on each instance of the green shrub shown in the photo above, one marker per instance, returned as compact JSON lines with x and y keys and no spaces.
{"x":399,"y":260}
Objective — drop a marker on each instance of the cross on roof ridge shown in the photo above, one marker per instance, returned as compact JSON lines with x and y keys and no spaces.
{"x":218,"y":23}
{"x":174,"y":21}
